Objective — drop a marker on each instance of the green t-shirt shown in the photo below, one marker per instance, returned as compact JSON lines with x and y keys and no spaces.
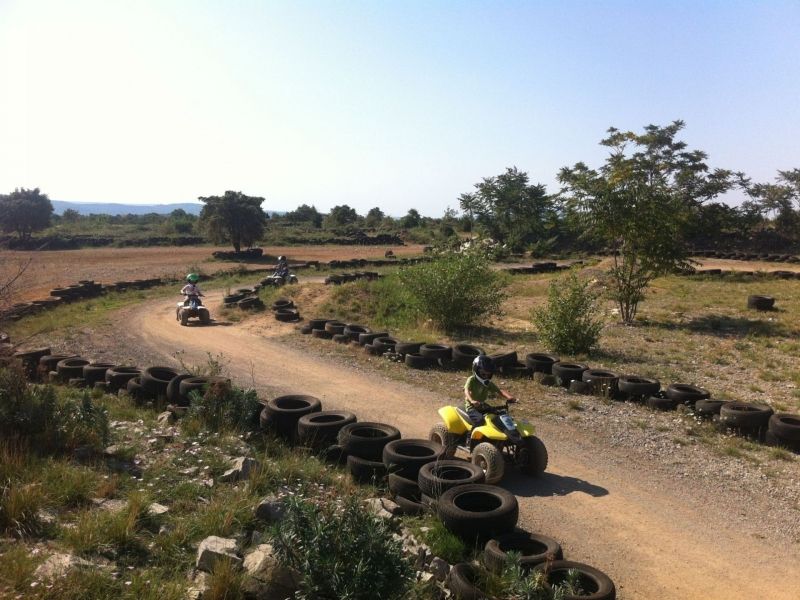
{"x":479,"y":392}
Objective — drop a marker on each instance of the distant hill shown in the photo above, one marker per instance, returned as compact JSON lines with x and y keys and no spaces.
{"x":110,"y":208}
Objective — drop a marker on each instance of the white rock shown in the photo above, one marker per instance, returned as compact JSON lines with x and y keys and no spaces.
{"x":213,"y":549}
{"x":156,"y":509}
{"x":57,"y":566}
{"x":240,"y":470}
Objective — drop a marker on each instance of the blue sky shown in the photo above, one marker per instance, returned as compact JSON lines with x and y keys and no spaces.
{"x":390,"y":104}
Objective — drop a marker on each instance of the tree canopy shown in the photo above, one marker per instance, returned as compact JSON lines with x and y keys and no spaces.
{"x":341,"y":215}
{"x":305,"y":214}
{"x":641,"y":202}
{"x":509,"y":208}
{"x":233,"y":218}
{"x":374,"y":217}
{"x":25,"y":211}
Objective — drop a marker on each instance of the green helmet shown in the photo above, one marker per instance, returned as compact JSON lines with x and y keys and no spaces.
{"x":193,"y":278}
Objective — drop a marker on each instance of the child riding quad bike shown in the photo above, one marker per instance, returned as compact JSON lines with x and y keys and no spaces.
{"x":282,"y":275}
{"x":487,"y":432}
{"x":192,"y":306}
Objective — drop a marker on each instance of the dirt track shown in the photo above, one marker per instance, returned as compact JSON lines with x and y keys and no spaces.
{"x":656,"y":537}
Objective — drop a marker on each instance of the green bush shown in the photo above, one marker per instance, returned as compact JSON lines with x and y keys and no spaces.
{"x":341,"y":551}
{"x":569,"y":322}
{"x":454,"y":290}
{"x":225,"y":408}
{"x":46,"y":421}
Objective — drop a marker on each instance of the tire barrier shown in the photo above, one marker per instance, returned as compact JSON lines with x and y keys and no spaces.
{"x":282,"y":414}
{"x":534,"y":549}
{"x":759,"y":256}
{"x":589,"y":578}
{"x":478,"y":512}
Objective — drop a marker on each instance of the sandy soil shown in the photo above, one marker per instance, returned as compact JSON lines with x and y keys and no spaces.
{"x":50,"y":269}
{"x":658,"y":538}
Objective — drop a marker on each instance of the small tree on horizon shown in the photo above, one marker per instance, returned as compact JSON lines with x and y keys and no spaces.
{"x":233,"y":218}
{"x":25,"y":211}
{"x":640,"y":203}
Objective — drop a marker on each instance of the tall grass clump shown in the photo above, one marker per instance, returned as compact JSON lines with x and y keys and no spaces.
{"x":455,"y":290}
{"x":225,"y":408}
{"x":341,"y":551}
{"x":569,"y":322}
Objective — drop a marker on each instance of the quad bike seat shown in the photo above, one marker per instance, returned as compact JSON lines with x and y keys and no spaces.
{"x":464,"y":415}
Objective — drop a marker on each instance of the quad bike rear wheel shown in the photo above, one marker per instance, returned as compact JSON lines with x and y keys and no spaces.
{"x":205,"y":318}
{"x":449,"y":441}
{"x":184,"y":317}
{"x":489,"y":458}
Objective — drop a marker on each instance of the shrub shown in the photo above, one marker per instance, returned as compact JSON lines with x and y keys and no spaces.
{"x":568,"y":323}
{"x":341,"y":551}
{"x":225,"y":408}
{"x":455,"y":290}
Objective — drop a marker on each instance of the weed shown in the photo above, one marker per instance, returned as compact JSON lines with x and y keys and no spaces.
{"x":574,"y":404}
{"x":569,"y":322}
{"x":442,"y":543}
{"x":778,"y":453}
{"x":225,"y":408}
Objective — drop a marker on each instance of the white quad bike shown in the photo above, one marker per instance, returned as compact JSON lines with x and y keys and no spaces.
{"x":190,"y":308}
{"x":279,"y":280}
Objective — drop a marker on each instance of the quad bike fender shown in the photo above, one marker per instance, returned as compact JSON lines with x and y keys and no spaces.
{"x":488,"y":432}
{"x":452,"y":420}
{"x":526,"y":429}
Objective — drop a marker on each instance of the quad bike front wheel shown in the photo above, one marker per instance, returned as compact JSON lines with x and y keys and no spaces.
{"x":536,"y":452}
{"x":489,"y":458}
{"x":449,"y":441}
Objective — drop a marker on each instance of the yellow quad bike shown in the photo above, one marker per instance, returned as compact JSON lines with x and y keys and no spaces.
{"x":500,"y":440}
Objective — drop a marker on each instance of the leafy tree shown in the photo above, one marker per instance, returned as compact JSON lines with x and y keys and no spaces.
{"x":510,"y":209}
{"x":234,"y":218}
{"x":780,"y":198}
{"x":305,"y":214}
{"x":640,"y":203}
{"x":455,"y":290}
{"x":411,"y":220}
{"x":340,"y":216}
{"x":71,"y":215}
{"x":25,"y":211}
{"x":374,"y":218}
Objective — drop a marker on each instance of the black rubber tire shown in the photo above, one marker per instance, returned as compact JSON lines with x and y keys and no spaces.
{"x":592,"y":579}
{"x":77,"y":382}
{"x":101,"y":385}
{"x":770,"y":439}
{"x":199,"y":384}
{"x":306,"y":329}
{"x":785,"y":426}
{"x":367,"y":440}
{"x":580,"y":387}
{"x":533,"y":549}
{"x":541,"y":363}
{"x":434,"y":479}
{"x":282,"y":303}
{"x":603,"y":382}
{"x":684,"y":393}
{"x":119,"y":377}
{"x":383,"y":345}
{"x":745,"y":415}
{"x":284,"y":412}
{"x":566,"y":372}
{"x":401,"y":486}
{"x":464,"y":354}
{"x":286,"y":315}
{"x":318,"y":323}
{"x":449,"y":441}
{"x":489,"y":457}
{"x":537,"y":452}
{"x":49,"y":362}
{"x":321,"y":334}
{"x":174,"y":395}
{"x":462,"y":580}
{"x":335,"y":455}
{"x":404,"y":348}
{"x":373,"y":350}
{"x":516,"y":370}
{"x":760,"y":302}
{"x":405,"y":457}
{"x":436,"y":351}
{"x":478,"y":511}
{"x":96,"y":371}
{"x":367,"y":338}
{"x":503,"y":359}
{"x":661,"y":402}
{"x":341,"y":338}
{"x":232,"y":298}
{"x":707,"y":407}
{"x":417,"y":361}
{"x":410,"y":506}
{"x":636,"y":387}
{"x":366,"y":471}
{"x":156,"y":379}
{"x":320,"y":429}
{"x":353,"y":331}
{"x":137,"y":391}
{"x":70,"y":368}
{"x":334,"y":327}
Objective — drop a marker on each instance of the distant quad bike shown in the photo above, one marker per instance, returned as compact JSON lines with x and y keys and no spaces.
{"x":192,"y":308}
{"x":498,"y":441}
{"x":279,"y":280}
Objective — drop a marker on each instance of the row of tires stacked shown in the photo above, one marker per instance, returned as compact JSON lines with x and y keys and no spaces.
{"x":143,"y":385}
{"x":537,"y":267}
{"x":422,"y":479}
{"x":244,"y":299}
{"x":241,"y":254}
{"x":778,"y":274}
{"x":135,"y":284}
{"x":285,"y":311}
{"x":338,"y":279}
{"x":765,"y":257}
